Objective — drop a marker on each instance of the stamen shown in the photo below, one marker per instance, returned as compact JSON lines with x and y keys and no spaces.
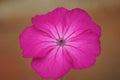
{"x":61,"y":42}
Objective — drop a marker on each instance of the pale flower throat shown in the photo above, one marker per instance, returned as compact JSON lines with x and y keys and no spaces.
{"x":61,"y":42}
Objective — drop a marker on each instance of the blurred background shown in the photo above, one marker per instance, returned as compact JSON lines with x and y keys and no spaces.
{"x":15,"y":15}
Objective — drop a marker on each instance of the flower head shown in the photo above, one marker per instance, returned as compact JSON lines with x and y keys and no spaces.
{"x":61,"y":40}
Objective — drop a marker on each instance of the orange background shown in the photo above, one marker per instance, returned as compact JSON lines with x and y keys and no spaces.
{"x":15,"y":15}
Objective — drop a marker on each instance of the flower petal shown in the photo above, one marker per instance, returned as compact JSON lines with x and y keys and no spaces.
{"x":84,"y":49}
{"x":55,"y":65}
{"x":35,"y":43}
{"x":51,"y":22}
{"x":87,"y":41}
{"x":80,"y":59}
{"x":76,"y":21}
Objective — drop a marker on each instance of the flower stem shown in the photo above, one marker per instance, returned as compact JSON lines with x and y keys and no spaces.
{"x":53,"y":79}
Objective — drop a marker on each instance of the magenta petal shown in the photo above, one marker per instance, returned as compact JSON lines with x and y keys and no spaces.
{"x":51,"y":22}
{"x":35,"y":43}
{"x":80,"y":59}
{"x":78,"y":19}
{"x":84,"y":49}
{"x":88,"y":42}
{"x":54,"y":65}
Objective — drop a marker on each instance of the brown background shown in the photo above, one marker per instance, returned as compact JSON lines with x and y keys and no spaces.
{"x":15,"y":15}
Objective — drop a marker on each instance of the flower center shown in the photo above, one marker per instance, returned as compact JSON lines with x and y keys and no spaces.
{"x":61,"y":42}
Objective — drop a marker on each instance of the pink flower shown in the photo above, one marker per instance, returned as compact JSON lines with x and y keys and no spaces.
{"x":61,"y":40}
